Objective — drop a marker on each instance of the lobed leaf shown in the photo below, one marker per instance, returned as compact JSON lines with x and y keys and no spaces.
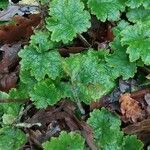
{"x":137,"y":38}
{"x":106,"y":9}
{"x":45,"y":93}
{"x":138,"y":14}
{"x":70,"y":141}
{"x":41,"y":64}
{"x":138,"y":3}
{"x":90,"y":78}
{"x":67,"y":19}
{"x":41,"y":41}
{"x":107,"y":134}
{"x":120,"y":64}
{"x":11,"y":138}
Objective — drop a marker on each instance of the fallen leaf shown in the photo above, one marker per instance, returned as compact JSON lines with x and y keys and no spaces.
{"x":10,"y":57}
{"x":8,"y":13}
{"x":130,"y":108}
{"x":22,"y":30}
{"x":8,"y":81}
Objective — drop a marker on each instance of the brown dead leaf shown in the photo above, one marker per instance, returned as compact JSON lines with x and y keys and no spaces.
{"x":22,"y":30}
{"x":141,"y":129}
{"x":10,"y":57}
{"x":130,"y":108}
{"x":8,"y":81}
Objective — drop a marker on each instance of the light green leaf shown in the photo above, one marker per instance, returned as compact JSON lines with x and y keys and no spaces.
{"x":45,"y":93}
{"x":90,"y":78}
{"x":41,"y":41}
{"x":138,"y":14}
{"x":107,"y":134}
{"x":137,"y":38}
{"x":41,"y":64}
{"x":106,"y":9}
{"x":106,"y":128}
{"x":67,"y":19}
{"x":11,"y":138}
{"x":65,"y":141}
{"x":8,"y":119}
{"x":138,"y":3}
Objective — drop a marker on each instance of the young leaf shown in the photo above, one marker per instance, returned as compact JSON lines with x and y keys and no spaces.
{"x":11,"y":138}
{"x":107,"y":134}
{"x":70,"y":141}
{"x":109,"y":9}
{"x":45,"y":93}
{"x":138,"y":14}
{"x":137,"y":38}
{"x":41,"y":64}
{"x":132,"y":143}
{"x":9,"y":111}
{"x":67,"y":18}
{"x":41,"y":41}
{"x":138,"y":3}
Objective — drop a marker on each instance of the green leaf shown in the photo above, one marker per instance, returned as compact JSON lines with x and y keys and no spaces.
{"x":90,"y":77}
{"x":20,"y":92}
{"x":107,"y":134}
{"x":67,"y":19}
{"x":138,"y":3}
{"x":41,"y":64}
{"x":106,"y":9}
{"x":3,"y":4}
{"x":11,"y":138}
{"x":45,"y":93}
{"x":137,"y":38}
{"x":132,"y":143}
{"x":8,"y":119}
{"x":138,"y":14}
{"x":65,"y":141}
{"x":106,"y":128}
{"x":120,"y":64}
{"x":41,"y":41}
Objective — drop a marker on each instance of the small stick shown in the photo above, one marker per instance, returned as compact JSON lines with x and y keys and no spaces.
{"x":13,"y":100}
{"x":85,"y":42}
{"x":27,"y":125}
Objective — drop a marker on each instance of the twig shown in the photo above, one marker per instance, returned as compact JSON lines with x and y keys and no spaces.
{"x":140,"y":94}
{"x":27,"y":125}
{"x":81,"y":108}
{"x":13,"y":100}
{"x":85,"y":42}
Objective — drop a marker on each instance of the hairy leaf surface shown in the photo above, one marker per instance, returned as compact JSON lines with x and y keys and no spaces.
{"x":106,"y":9}
{"x":90,"y":78}
{"x":67,"y":19}
{"x":138,"y":3}
{"x":41,"y":64}
{"x":138,"y":14}
{"x":70,"y":141}
{"x":11,"y":138}
{"x":137,"y":38}
{"x":107,"y":134}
